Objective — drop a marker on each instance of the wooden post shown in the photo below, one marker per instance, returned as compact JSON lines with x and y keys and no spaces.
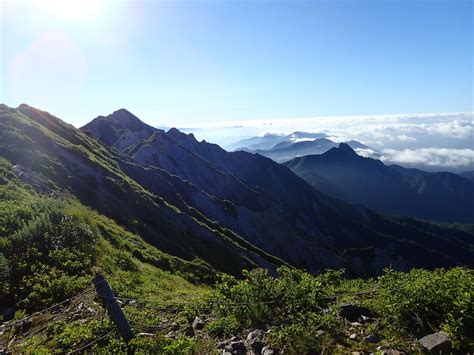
{"x":116,"y":315}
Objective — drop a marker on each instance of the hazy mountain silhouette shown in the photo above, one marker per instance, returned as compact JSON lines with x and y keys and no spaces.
{"x":342,"y":173}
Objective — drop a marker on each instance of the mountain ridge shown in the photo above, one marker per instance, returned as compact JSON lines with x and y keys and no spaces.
{"x":278,"y":218}
{"x":391,"y":189}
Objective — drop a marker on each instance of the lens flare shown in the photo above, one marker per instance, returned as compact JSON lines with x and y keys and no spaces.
{"x":69,"y":9}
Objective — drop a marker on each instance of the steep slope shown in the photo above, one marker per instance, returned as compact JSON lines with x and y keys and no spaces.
{"x":280,"y":213}
{"x":56,"y":158}
{"x":342,"y":173}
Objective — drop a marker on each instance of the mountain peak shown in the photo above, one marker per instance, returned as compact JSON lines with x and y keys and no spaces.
{"x":119,"y":129}
{"x":121,"y":119}
{"x":343,"y":151}
{"x":179,"y":136}
{"x":344,"y":147}
{"x":126,"y":118}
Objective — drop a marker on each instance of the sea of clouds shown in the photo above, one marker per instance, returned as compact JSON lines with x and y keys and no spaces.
{"x":433,"y":141}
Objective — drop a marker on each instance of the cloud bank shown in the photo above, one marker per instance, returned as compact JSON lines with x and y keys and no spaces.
{"x":432,"y":140}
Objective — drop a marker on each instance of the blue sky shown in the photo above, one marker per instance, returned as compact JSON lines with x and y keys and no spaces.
{"x":182,"y":63}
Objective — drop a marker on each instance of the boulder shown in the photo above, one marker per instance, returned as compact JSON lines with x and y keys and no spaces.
{"x":436,"y":342}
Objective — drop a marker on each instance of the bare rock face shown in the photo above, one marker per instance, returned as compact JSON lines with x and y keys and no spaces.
{"x":436,"y":342}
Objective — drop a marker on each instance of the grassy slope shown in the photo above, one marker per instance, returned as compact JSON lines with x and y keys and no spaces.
{"x":60,"y":157}
{"x":134,"y":268}
{"x":138,"y":270}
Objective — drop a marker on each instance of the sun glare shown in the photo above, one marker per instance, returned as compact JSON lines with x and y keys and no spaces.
{"x":69,"y":9}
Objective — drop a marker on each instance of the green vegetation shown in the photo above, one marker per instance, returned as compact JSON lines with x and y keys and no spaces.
{"x":301,"y":316}
{"x":52,"y":245}
{"x":51,"y":248}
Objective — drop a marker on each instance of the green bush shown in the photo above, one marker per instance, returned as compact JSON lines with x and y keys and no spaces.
{"x":260,"y":299}
{"x":223,"y":327}
{"x":46,"y":255}
{"x":309,"y":333}
{"x":442,"y":299}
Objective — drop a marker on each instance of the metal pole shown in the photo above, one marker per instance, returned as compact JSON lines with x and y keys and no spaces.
{"x":116,"y":315}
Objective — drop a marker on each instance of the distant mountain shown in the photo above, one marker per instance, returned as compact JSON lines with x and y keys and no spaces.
{"x":266,"y":141}
{"x":287,"y":150}
{"x":341,"y":173}
{"x":196,"y":201}
{"x":272,"y":140}
{"x":269,"y":206}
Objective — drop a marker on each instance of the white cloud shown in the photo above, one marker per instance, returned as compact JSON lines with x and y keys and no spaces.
{"x":367,"y":152}
{"x":446,"y":157}
{"x":431,"y":139}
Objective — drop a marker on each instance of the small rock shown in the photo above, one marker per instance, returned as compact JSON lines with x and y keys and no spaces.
{"x":189,"y":331}
{"x":356,"y":324}
{"x":416,"y":324}
{"x":234,"y":338}
{"x":436,"y":342}
{"x":171,"y":335}
{"x":371,"y":338}
{"x":357,"y":353}
{"x":236,"y":347}
{"x":392,"y":352}
{"x":267,"y":351}
{"x":319,"y":333}
{"x":145,"y":335}
{"x":352,"y":312}
{"x":365,"y":318}
{"x":198,"y":323}
{"x":7,"y":312}
{"x":326,"y":310}
{"x":222,"y":344}
{"x":255,"y":339}
{"x":353,"y":336}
